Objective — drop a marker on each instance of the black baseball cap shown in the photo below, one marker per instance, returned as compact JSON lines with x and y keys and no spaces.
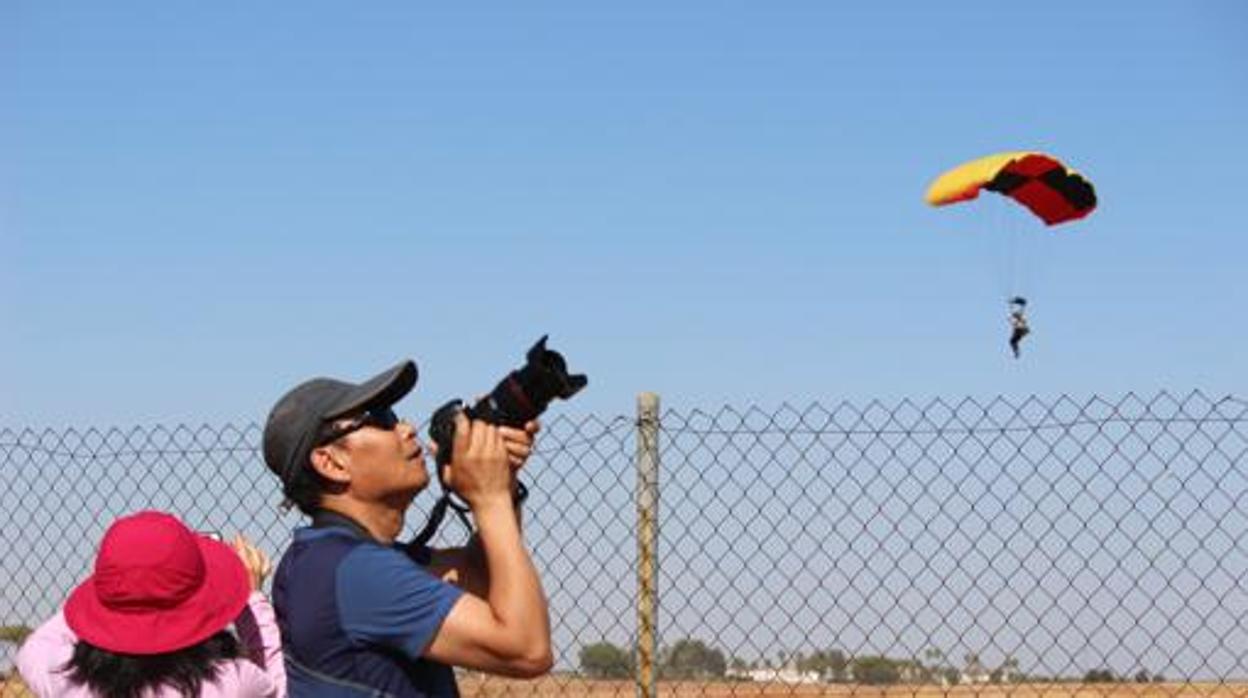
{"x":294,"y":422}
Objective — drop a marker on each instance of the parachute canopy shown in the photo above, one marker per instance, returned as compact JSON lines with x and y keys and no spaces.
{"x":1041,"y":183}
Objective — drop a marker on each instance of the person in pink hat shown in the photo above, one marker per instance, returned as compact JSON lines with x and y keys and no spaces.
{"x":154,"y":620}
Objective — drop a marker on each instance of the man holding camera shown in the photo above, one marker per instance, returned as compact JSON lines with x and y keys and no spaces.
{"x":361,"y":614}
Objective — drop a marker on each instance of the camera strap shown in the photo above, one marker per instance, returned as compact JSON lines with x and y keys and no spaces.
{"x":438,"y":513}
{"x":324,"y":518}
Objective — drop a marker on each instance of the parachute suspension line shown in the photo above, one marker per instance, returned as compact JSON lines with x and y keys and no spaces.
{"x":1003,"y":242}
{"x":1024,"y":182}
{"x":1007,"y":232}
{"x":1019,"y":250}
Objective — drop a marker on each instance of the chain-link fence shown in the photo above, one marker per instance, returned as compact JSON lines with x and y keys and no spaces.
{"x":1026,"y":546}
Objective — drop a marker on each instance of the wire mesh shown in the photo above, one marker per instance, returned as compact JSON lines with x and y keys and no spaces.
{"x":1070,"y":546}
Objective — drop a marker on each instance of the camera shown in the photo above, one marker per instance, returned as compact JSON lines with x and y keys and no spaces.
{"x":519,"y":398}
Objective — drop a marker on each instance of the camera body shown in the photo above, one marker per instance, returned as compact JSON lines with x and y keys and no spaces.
{"x":517,"y":399}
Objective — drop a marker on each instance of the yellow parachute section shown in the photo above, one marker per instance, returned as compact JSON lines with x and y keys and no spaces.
{"x":1040,"y":182}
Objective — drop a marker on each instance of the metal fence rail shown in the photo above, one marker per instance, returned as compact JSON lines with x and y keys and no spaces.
{"x":945,"y":545}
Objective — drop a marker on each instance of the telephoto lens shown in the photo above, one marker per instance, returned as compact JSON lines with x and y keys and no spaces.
{"x":517,"y":399}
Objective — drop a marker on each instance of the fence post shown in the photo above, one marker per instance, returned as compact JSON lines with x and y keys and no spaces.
{"x":647,"y":544}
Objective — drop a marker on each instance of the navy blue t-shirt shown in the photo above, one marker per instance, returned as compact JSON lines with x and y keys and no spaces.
{"x":357,"y":615}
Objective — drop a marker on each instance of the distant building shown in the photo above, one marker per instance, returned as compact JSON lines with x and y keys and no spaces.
{"x":786,"y":674}
{"x":910,"y":672}
{"x":974,"y":673}
{"x":1009,"y":673}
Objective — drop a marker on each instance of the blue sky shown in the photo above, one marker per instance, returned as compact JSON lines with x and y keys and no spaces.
{"x":203,"y":204}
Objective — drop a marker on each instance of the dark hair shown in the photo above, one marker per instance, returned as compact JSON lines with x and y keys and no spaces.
{"x":304,"y":488}
{"x":113,"y":675}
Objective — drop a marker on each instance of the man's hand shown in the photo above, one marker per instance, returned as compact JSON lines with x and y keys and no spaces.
{"x":480,"y":466}
{"x":519,"y":443}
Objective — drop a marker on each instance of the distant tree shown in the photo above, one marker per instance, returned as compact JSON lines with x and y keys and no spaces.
{"x":837,"y":664}
{"x":1099,"y":676}
{"x":875,"y":670}
{"x":1010,"y":667}
{"x":15,"y":634}
{"x":604,"y":660}
{"x":1141,"y":676}
{"x":692,"y":659}
{"x":935,"y":658}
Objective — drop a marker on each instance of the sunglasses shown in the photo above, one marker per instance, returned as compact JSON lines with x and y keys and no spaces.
{"x":382,"y":418}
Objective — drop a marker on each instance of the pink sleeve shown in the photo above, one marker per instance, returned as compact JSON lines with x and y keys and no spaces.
{"x":47,"y":649}
{"x":262,"y":641}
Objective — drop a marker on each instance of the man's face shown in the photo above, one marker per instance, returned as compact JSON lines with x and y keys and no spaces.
{"x":385,"y":459}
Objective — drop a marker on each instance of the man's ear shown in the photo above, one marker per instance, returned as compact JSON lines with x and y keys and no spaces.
{"x":330,"y":463}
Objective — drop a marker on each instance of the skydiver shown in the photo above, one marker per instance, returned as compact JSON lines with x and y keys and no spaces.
{"x":1018,"y":323}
